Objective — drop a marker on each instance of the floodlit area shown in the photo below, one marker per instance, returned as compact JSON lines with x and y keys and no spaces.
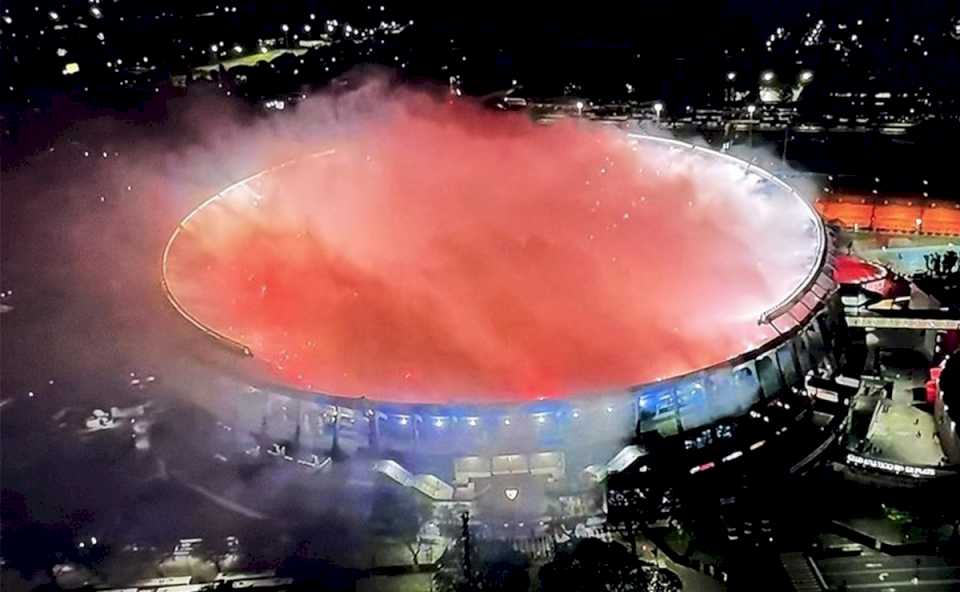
{"x":905,"y":434}
{"x":252,"y":59}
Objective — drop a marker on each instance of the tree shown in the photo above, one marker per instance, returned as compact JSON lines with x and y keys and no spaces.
{"x":399,"y":514}
{"x":950,"y":260}
{"x":664,"y":580}
{"x":496,"y":566}
{"x":307,"y":564}
{"x":592,"y":565}
{"x":36,"y":547}
{"x":632,"y":507}
{"x":501,"y":567}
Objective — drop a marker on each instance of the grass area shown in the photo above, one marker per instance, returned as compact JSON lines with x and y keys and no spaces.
{"x":678,"y":540}
{"x":419,"y":582}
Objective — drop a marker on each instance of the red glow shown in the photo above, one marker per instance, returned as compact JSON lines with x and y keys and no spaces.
{"x":450,"y":254}
{"x":854,"y":270}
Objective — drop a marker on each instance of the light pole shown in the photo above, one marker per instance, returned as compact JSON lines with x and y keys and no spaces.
{"x":750,"y":111}
{"x":286,"y":34}
{"x":579,"y":108}
{"x":657,"y":108}
{"x":805,"y":77}
{"x":467,"y":548}
{"x":786,"y":139}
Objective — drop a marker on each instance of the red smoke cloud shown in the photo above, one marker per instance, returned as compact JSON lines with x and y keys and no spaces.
{"x":445,"y":253}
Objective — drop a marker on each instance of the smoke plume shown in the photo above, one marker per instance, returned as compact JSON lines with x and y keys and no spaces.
{"x":438,"y":251}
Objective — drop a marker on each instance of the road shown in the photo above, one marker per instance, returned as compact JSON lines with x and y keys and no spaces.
{"x":890,"y":574}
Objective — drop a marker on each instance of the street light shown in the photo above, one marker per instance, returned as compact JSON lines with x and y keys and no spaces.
{"x":657,"y":108}
{"x":750,"y":110}
{"x":729,"y":92}
{"x":806,"y":76}
{"x":579,"y":108}
{"x":786,"y":140}
{"x":767,"y":76}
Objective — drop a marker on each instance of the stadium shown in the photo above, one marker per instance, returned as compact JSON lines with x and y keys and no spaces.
{"x":739,"y":342}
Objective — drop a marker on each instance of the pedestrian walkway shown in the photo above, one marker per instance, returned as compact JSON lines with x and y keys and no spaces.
{"x":800,"y":572}
{"x":693,"y":579}
{"x":905,"y":434}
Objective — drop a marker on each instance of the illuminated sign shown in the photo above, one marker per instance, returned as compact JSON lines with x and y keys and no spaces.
{"x":511,"y":493}
{"x":902,"y":323}
{"x":890,"y":467}
{"x":823,"y":394}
